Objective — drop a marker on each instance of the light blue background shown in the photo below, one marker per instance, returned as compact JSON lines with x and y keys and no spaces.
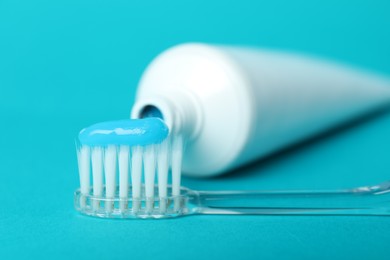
{"x":67,"y":64}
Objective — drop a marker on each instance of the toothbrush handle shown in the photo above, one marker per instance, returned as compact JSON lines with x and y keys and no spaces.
{"x":373,"y":200}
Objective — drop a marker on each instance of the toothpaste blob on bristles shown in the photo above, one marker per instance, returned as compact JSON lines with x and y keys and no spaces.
{"x":123,"y":151}
{"x":132,"y":132}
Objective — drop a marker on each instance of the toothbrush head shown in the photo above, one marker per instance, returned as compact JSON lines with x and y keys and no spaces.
{"x":111,"y":155}
{"x":129,"y":207}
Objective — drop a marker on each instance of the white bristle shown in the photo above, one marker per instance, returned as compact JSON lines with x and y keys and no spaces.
{"x":97,"y":174}
{"x":177,"y":155}
{"x":136,"y":173}
{"x":84,"y":171}
{"x":123,"y":174}
{"x":110,"y":171}
{"x":117,"y":162}
{"x":149,"y":173}
{"x":162,"y":173}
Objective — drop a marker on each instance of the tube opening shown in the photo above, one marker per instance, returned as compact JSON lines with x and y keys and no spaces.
{"x":151,"y":111}
{"x":154,"y":107}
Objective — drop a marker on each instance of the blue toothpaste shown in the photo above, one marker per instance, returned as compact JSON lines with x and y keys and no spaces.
{"x":131,"y":132}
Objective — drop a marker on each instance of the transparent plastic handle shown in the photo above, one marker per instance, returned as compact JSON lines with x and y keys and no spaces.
{"x":370,"y":200}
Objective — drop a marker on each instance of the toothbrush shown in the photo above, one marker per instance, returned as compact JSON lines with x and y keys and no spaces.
{"x":143,"y":147}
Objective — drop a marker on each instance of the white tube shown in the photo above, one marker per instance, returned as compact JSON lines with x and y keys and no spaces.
{"x":239,"y":104}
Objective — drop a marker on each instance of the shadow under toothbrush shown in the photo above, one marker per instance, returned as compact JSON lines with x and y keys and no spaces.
{"x":276,"y":157}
